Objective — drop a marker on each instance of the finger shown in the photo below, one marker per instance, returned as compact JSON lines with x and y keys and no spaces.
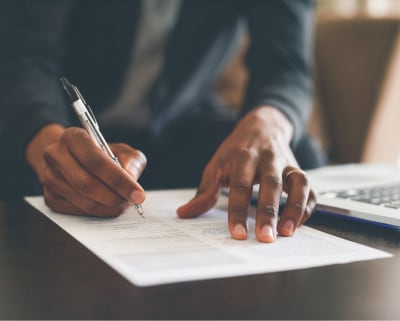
{"x":268,"y":205}
{"x":241,"y":188}
{"x":206,"y":196}
{"x":132,"y":160}
{"x":62,"y":198}
{"x":59,"y":204}
{"x":100,"y":165}
{"x":311,"y":203}
{"x":297,"y":187}
{"x":65,"y":172}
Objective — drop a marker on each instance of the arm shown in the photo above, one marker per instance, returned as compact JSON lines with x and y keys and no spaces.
{"x":280,"y":59}
{"x":76,"y":176}
{"x":258,"y":149}
{"x":30,"y":96}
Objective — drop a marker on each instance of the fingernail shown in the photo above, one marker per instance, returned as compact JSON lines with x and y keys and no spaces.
{"x":288,"y":227}
{"x":239,"y":232}
{"x":267,"y":234}
{"x":136,"y":197}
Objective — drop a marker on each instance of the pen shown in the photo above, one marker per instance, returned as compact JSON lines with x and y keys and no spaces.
{"x":88,"y":121}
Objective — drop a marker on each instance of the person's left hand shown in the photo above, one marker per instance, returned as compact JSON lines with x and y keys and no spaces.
{"x":257,"y":151}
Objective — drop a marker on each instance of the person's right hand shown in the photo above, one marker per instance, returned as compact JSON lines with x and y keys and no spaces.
{"x":79,"y":178}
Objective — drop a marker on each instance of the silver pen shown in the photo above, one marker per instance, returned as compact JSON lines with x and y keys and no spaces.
{"x":88,"y":121}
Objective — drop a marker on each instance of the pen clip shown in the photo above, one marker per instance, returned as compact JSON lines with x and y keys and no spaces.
{"x":78,"y":93}
{"x":75,"y":94}
{"x":92,"y":115}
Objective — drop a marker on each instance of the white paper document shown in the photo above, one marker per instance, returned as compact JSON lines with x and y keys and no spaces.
{"x":163,"y":248}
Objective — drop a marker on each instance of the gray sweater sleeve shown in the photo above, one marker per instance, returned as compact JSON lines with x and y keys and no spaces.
{"x":280,"y":59}
{"x":30,"y":95}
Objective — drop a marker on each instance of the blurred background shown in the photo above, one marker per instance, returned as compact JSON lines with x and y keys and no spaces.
{"x":356,"y":114}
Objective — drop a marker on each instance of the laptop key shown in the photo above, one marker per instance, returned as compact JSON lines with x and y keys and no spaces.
{"x":388,"y":196}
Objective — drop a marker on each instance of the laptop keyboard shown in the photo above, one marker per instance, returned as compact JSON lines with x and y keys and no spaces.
{"x":388,"y":195}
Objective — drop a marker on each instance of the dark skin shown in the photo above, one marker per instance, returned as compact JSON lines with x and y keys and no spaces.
{"x":78,"y":178}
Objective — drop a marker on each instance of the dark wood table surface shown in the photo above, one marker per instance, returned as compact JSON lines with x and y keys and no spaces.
{"x":46,"y":274}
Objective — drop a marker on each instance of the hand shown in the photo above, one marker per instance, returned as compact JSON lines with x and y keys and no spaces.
{"x":257,"y":151}
{"x":79,"y":178}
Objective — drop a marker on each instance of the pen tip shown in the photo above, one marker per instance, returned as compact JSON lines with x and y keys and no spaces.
{"x":139,"y":209}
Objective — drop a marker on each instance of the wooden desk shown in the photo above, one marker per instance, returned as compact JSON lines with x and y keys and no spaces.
{"x":46,"y":274}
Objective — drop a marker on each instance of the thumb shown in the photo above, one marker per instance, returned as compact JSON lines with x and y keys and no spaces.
{"x":132,"y":160}
{"x":205,"y":199}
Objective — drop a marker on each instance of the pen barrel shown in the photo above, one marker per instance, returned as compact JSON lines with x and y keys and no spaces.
{"x":88,"y":121}
{"x":90,"y":125}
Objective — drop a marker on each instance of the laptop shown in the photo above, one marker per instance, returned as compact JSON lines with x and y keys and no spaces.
{"x":369,"y":192}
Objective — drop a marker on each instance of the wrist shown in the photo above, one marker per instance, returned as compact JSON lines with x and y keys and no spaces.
{"x":38,"y":144}
{"x":275,"y":119}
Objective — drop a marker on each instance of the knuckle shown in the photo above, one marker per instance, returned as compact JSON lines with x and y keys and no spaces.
{"x":49,"y":155}
{"x":301,"y":179}
{"x":304,"y":180}
{"x":136,"y":153}
{"x":241,"y":184}
{"x":71,"y":134}
{"x":268,"y":210}
{"x":274,"y":182}
{"x":140,"y":155}
{"x":296,"y":207}
{"x":247,"y":153}
{"x":308,"y":212}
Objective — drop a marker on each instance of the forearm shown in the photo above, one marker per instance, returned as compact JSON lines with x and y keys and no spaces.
{"x":280,"y":59}
{"x":30,"y":94}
